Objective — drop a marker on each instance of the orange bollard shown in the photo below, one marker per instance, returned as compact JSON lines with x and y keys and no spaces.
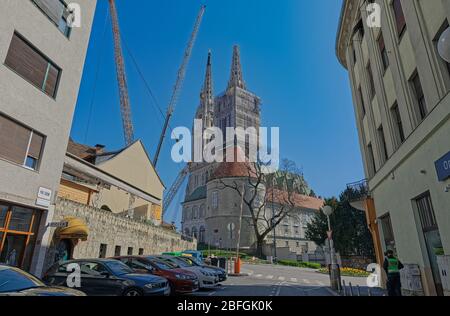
{"x":237,"y":266}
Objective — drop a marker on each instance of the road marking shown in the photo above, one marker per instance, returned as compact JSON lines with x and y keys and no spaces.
{"x":306,"y":281}
{"x":279,"y":289}
{"x":270,"y":277}
{"x":212,"y":293}
{"x":281,"y":278}
{"x":258,"y":275}
{"x":320,"y":283}
{"x":294,"y":280}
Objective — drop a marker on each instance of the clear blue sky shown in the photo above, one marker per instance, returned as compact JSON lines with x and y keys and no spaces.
{"x":288,"y":57}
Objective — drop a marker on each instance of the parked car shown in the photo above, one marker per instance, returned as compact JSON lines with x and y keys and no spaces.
{"x":15,"y":282}
{"x":105,"y":277}
{"x":181,"y":281}
{"x":207,"y":278}
{"x":221,"y":273}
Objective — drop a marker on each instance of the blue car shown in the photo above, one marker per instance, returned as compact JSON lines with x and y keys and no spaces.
{"x":108,"y":277}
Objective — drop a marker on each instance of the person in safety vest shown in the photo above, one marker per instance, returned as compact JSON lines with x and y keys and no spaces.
{"x":392,"y":266}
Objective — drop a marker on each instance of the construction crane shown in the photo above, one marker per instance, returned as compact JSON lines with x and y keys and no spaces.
{"x":174,"y":188}
{"x":179,"y":82}
{"x":125,"y":107}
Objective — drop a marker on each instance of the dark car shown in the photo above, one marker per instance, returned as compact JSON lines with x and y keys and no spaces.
{"x":180,"y":280}
{"x":105,"y":277}
{"x":15,"y":282}
{"x":196,"y":262}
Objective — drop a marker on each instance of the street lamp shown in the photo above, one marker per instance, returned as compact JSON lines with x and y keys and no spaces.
{"x":444,"y":45}
{"x":334,"y":269}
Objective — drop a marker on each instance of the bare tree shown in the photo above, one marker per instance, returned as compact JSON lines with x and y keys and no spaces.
{"x":259,"y":190}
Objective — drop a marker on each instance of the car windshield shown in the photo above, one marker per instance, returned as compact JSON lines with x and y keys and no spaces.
{"x":14,"y":280}
{"x":190,"y":261}
{"x":178,"y":262}
{"x":118,"y":267}
{"x":163,"y":265}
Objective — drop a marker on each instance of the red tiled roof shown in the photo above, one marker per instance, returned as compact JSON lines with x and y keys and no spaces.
{"x":80,"y":150}
{"x":299,"y":200}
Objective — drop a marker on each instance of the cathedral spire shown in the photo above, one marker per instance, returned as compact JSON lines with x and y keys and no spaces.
{"x":207,"y":92}
{"x":207,"y":96}
{"x":236,"y":78}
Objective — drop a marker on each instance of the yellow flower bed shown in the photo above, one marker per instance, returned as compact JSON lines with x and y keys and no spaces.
{"x":347,"y":272}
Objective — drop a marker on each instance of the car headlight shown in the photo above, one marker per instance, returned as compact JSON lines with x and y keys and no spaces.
{"x":182,"y":276}
{"x":151,"y":285}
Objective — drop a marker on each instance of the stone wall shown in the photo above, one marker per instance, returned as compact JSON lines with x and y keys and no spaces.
{"x":112,"y":230}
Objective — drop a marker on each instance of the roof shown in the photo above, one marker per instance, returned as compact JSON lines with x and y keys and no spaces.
{"x":300,"y":200}
{"x":198,"y":194}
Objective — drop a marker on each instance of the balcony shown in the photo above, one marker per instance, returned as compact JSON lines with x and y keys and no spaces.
{"x":357,"y":193}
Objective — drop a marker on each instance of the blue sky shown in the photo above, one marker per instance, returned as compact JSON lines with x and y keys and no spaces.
{"x":288,"y":57}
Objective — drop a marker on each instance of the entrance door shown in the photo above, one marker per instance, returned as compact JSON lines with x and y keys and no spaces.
{"x":431,"y":236}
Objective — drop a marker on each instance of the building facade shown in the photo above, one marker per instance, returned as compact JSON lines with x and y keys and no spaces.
{"x":42,"y":61}
{"x":400,"y":88}
{"x":109,"y":204}
{"x":210,"y":211}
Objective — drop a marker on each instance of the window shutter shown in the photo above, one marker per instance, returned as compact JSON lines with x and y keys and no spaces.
{"x":28,"y":63}
{"x":36,"y":146}
{"x":14,"y":140}
{"x":53,"y":8}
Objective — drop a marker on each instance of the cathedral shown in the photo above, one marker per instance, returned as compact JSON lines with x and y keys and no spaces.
{"x":211,"y":212}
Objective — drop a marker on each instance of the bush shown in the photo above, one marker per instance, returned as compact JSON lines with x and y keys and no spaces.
{"x":293,"y":263}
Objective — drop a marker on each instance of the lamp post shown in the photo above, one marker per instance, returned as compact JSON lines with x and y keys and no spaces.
{"x":444,"y":45}
{"x":334,"y":273}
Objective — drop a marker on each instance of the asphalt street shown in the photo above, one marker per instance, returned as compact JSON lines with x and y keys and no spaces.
{"x":274,"y":280}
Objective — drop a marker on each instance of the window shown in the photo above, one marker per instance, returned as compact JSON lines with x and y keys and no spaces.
{"x":102,"y":252}
{"x":399,"y":17}
{"x":117,"y":251}
{"x":388,"y":232}
{"x":371,"y":161}
{"x":194,"y":232}
{"x":195,"y":212}
{"x":384,"y":152}
{"x":286,"y":243}
{"x":34,"y":67}
{"x":201,"y":235}
{"x":141,"y":251}
{"x":130,"y":251}
{"x":215,"y":200}
{"x":426,"y":212}
{"x":371,"y":82}
{"x":20,"y":144}
{"x":400,"y":134}
{"x":383,"y":52}
{"x":297,"y":244}
{"x":18,"y":229}
{"x":56,"y":11}
{"x":420,"y":97}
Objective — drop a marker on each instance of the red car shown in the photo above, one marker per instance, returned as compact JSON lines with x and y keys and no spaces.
{"x":181,"y":281}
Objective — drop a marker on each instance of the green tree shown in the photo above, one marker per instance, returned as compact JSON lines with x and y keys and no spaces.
{"x":350,"y":233}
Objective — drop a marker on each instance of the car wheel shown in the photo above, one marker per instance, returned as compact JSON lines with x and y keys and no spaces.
{"x":132,"y":292}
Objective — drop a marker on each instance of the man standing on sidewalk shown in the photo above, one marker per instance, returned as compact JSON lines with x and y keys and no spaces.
{"x":392,"y":266}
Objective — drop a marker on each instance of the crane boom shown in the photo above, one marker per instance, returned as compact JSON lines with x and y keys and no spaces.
{"x":125,"y":107}
{"x":174,"y":188}
{"x":179,"y":82}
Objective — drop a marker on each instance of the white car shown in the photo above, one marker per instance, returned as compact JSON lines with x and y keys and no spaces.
{"x":207,"y":278}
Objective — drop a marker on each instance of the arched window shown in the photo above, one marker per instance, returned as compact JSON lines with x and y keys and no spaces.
{"x":202,"y":211}
{"x":194,"y":232}
{"x":195,"y":212}
{"x":187,"y":232}
{"x":201,"y":235}
{"x":215,"y":200}
{"x":187,"y":215}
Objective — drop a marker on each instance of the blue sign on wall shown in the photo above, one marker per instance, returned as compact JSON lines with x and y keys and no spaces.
{"x":443,"y":167}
